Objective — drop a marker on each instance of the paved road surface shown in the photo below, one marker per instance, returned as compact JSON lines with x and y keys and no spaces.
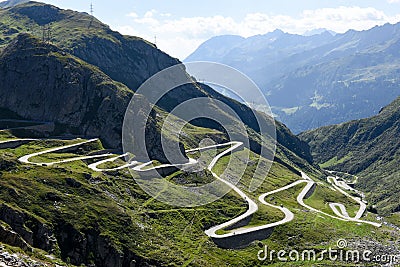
{"x":338,"y":209}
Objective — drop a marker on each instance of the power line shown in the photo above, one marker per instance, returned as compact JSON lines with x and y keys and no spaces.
{"x":46,"y":34}
{"x":91,"y":15}
{"x":91,"y":9}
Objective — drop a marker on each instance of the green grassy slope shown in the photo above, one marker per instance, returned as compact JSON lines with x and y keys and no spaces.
{"x":369,"y":148}
{"x":105,"y":218}
{"x":87,"y":209}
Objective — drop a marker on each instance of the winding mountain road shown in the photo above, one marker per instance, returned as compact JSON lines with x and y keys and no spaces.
{"x":25,"y":159}
{"x":94,"y":165}
{"x":342,"y":212}
{"x":338,"y":209}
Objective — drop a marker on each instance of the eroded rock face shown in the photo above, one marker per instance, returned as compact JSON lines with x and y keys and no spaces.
{"x":12,"y":238}
{"x":26,"y":229}
{"x":91,"y":247}
{"x":130,"y":61}
{"x":40,"y":82}
{"x":18,"y":228}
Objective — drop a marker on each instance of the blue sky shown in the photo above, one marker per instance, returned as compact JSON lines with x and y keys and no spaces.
{"x":180,"y":26}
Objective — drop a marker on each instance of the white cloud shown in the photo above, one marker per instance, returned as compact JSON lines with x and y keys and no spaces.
{"x":181,"y":36}
{"x":133,"y":15}
{"x":166,"y":15}
{"x":150,"y":14}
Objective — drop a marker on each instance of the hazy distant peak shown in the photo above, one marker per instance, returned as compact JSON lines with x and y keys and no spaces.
{"x":318,"y":31}
{"x":216,"y":47}
{"x":227,"y":37}
{"x":276,"y":33}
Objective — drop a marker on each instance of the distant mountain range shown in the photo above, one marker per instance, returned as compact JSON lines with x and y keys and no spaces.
{"x":369,"y":148}
{"x":316,"y":80}
{"x":318,"y":31}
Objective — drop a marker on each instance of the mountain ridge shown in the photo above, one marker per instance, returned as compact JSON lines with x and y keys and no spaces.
{"x":101,"y":216}
{"x":312,"y":81}
{"x":369,"y":148}
{"x":108,"y":50}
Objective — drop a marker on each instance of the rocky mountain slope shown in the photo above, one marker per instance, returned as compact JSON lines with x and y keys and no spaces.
{"x":82,"y":78}
{"x":312,"y":81}
{"x":129,"y":60}
{"x":369,"y":148}
{"x":41,"y":82}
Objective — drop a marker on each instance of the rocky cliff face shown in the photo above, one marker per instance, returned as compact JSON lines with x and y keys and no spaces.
{"x":25,"y":230}
{"x":20,"y":229}
{"x":95,"y":248}
{"x":40,"y":82}
{"x":126,"y":59}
